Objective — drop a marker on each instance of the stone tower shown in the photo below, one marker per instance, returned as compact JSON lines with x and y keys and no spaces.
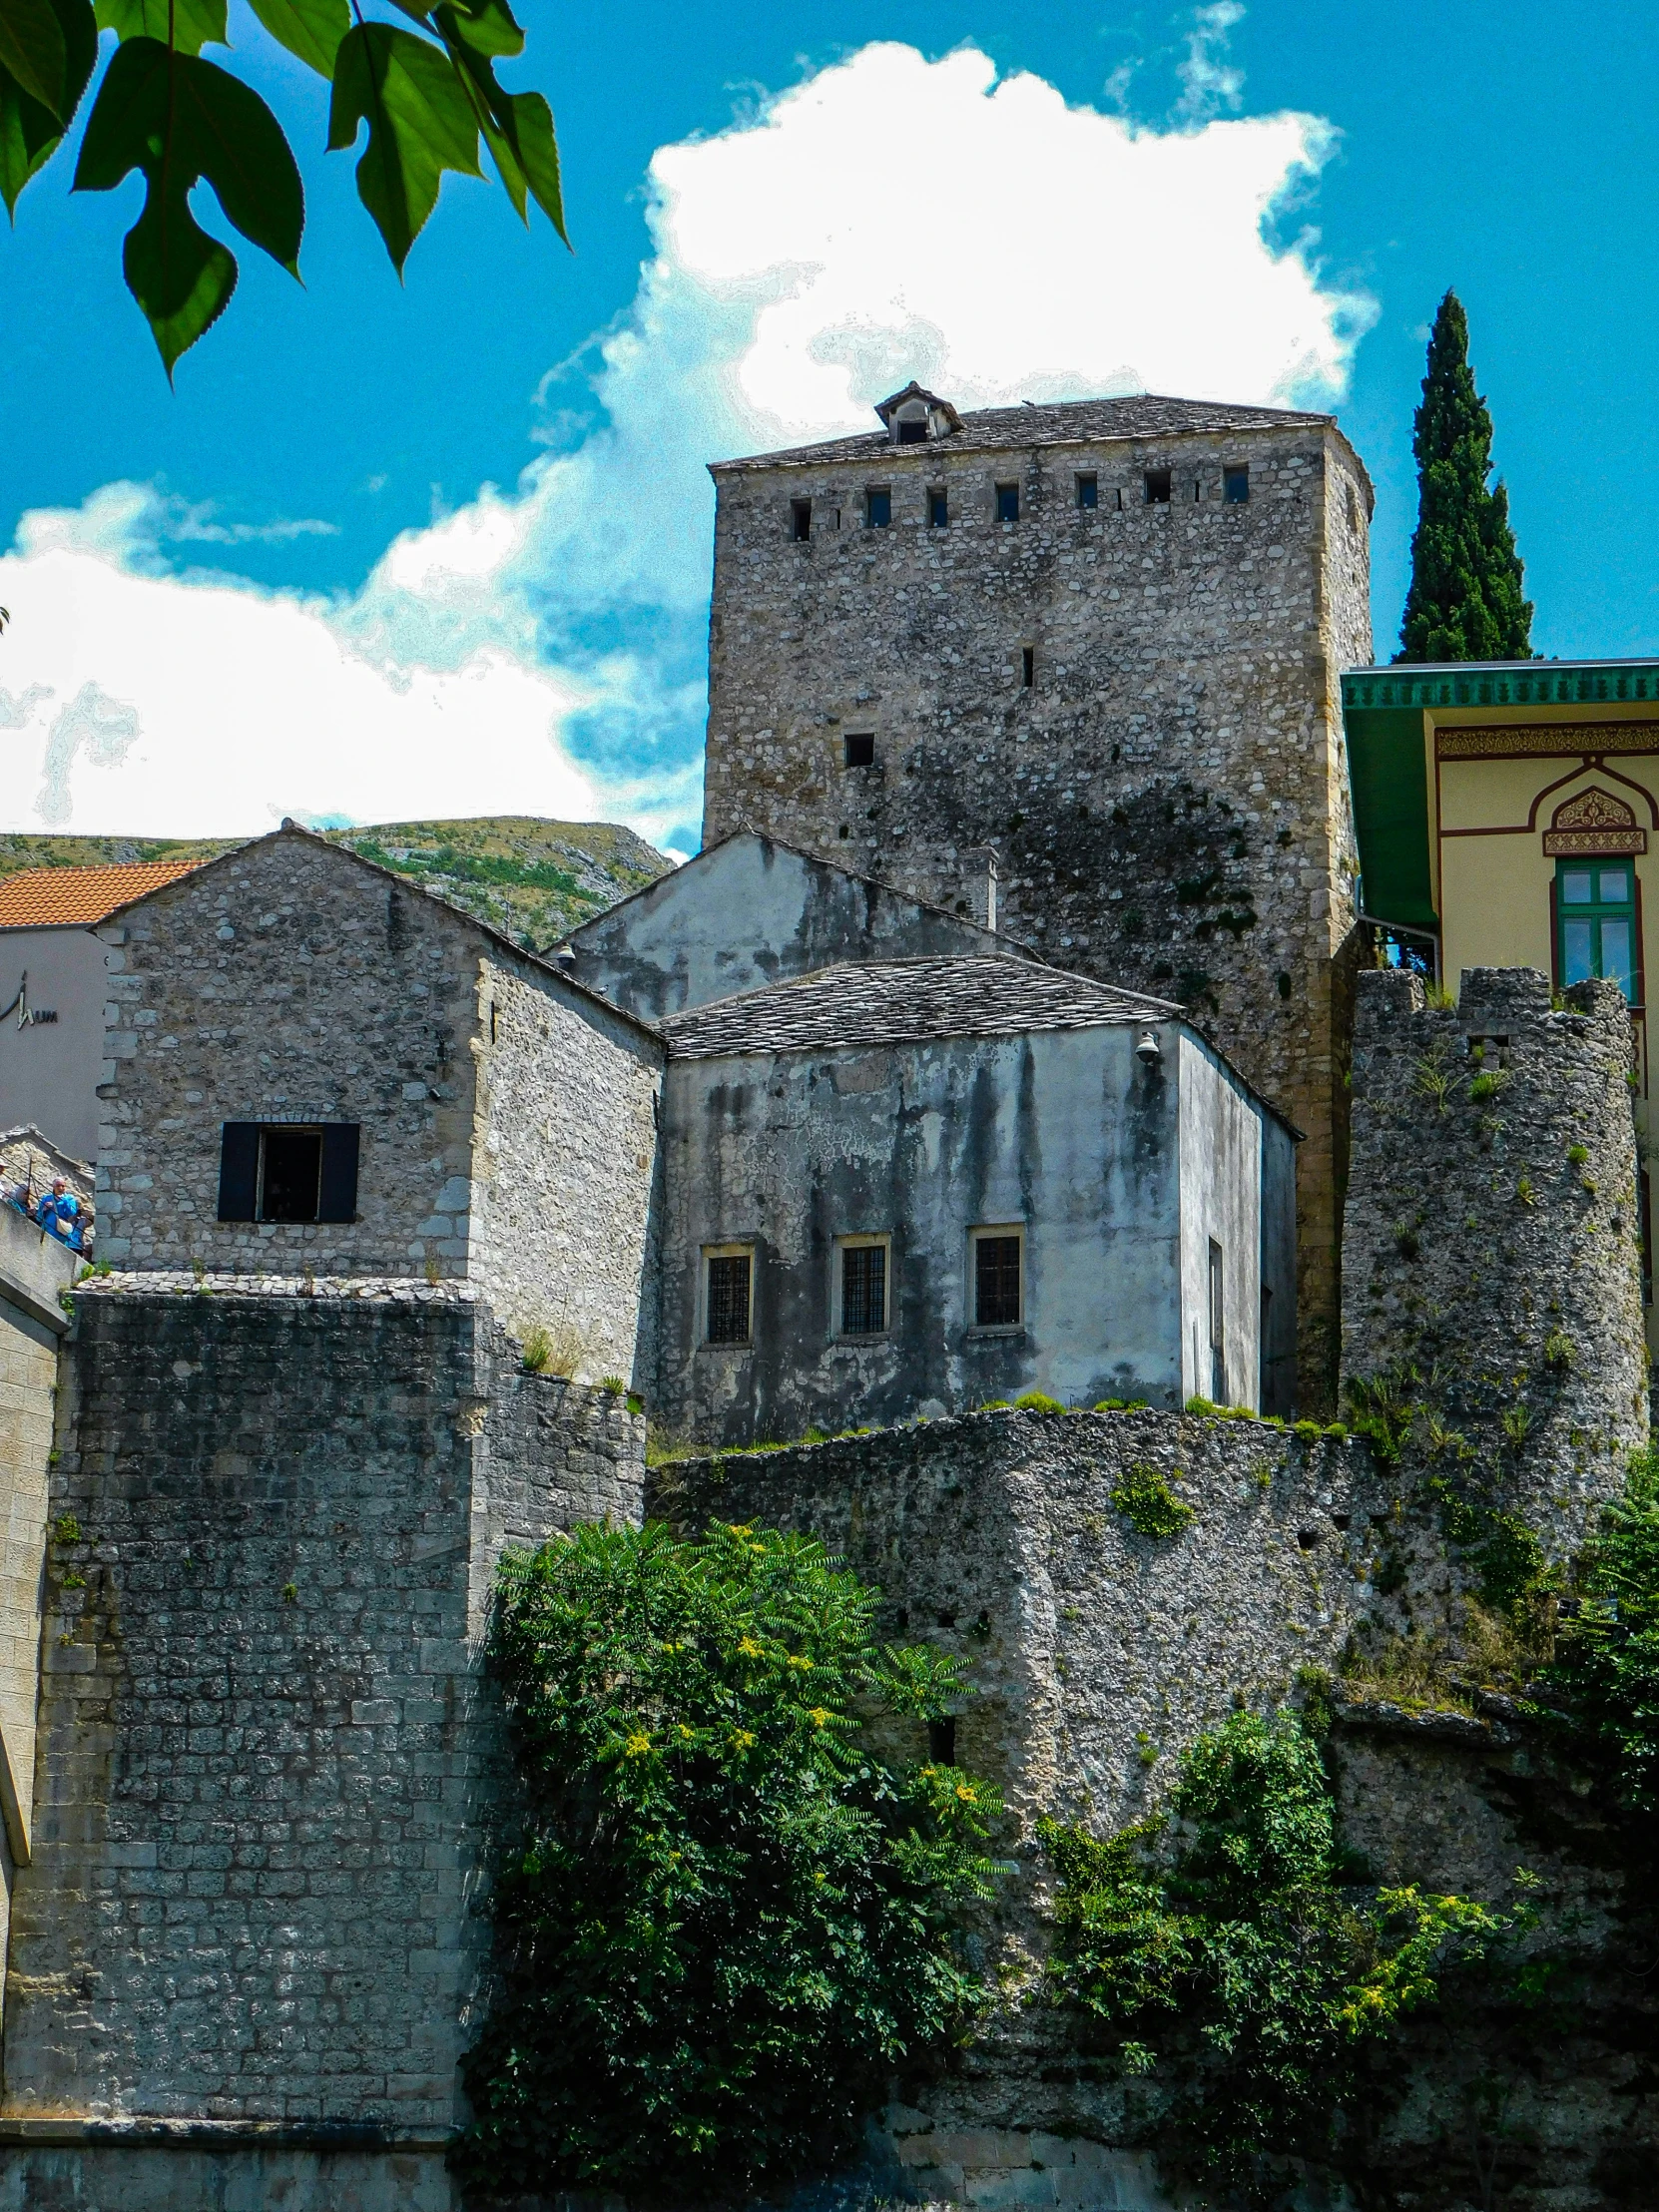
{"x":1074,"y":668}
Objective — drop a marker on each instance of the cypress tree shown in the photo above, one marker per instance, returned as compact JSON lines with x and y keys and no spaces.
{"x":1465,"y":600}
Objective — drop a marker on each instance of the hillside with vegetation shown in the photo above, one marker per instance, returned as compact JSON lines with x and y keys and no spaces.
{"x":533,"y":880}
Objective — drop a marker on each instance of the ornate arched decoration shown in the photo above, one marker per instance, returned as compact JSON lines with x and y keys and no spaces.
{"x":1594,"y":822}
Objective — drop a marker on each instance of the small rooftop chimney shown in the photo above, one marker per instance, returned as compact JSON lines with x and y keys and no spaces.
{"x":979,"y":886}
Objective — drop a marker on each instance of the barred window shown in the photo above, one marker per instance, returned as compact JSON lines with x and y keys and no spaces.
{"x":729,"y":1302}
{"x":863,"y":1289}
{"x":996,"y":1281}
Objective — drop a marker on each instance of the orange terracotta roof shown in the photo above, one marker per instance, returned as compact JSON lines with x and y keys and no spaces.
{"x":66,"y":897}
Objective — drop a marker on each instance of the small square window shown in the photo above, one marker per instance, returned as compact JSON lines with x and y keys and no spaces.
{"x":1235,"y":486}
{"x":286,"y":1172}
{"x":878,"y":508}
{"x":729,"y":1297}
{"x":996,"y":1279}
{"x":1088,"y":491}
{"x":912,"y":433}
{"x":1007,"y":502}
{"x":860,"y":749}
{"x":864,"y":1289}
{"x":1157,"y":487}
{"x":801,"y":520}
{"x":938,"y":511}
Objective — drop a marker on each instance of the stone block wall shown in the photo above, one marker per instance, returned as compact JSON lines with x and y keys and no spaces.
{"x":289,"y":983}
{"x":1167,"y":798}
{"x":1491,"y":1262}
{"x":268,"y":1767}
{"x":565,"y":1202}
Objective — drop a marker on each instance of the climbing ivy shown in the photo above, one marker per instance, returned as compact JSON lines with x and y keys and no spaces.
{"x":1236,"y":1963}
{"x":727,"y":1918}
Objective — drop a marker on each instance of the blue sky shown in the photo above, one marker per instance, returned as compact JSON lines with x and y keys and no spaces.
{"x":288,"y":585}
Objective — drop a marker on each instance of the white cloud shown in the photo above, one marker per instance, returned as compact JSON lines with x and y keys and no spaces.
{"x":541,"y":649}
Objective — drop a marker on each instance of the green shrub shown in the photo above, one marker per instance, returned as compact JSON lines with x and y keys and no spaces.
{"x":614,"y":1385}
{"x":727,"y":1922}
{"x":1309,"y":1430}
{"x":1487,"y":1084}
{"x":1204,"y":1407}
{"x":1235,"y":1969}
{"x":1145,"y":1501}
{"x":1038,"y":1401}
{"x":1578,"y":1154}
{"x":538,"y":1349}
{"x":1606,"y":1669}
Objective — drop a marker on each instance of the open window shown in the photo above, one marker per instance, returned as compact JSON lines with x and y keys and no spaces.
{"x":289,"y":1171}
{"x":1007,"y":502}
{"x":1157,"y":487}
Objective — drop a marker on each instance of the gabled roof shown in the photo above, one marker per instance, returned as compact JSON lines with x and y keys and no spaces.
{"x":663,"y":888}
{"x":887,"y":408}
{"x":905,"y":1002}
{"x":1059,"y":422}
{"x":458,"y":915}
{"x":80,"y":898}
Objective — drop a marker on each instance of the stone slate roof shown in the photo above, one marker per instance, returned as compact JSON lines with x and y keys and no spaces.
{"x":905,"y":1002}
{"x":71,"y":897}
{"x":1064,"y":422}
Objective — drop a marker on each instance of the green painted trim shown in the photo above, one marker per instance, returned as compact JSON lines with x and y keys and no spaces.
{"x":1388,"y":779}
{"x":1525,"y":684}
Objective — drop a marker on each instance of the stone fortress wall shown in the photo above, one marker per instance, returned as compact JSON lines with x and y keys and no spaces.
{"x":1167,"y":796}
{"x":1492,"y":1259}
{"x":267,"y":1774}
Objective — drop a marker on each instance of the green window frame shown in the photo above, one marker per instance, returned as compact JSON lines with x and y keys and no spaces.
{"x":1595,"y":921}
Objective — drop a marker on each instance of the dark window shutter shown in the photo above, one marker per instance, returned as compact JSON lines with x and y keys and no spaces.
{"x":238,"y":1170}
{"x":337,"y":1200}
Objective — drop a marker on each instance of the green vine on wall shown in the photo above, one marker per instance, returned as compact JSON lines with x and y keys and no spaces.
{"x":727,"y":1919}
{"x":1237,"y":1965}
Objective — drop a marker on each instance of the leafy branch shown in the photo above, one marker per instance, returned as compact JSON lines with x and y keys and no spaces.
{"x":427,"y":95}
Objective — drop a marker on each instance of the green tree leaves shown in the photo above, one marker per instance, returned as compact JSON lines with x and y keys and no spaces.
{"x":32,"y":126}
{"x":180,"y":119}
{"x":727,"y":1917}
{"x":426,"y":95}
{"x":420,"y":123}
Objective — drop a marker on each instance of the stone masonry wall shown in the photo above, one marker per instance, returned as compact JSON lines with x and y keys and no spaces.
{"x":565,"y":1201}
{"x":266,"y":1768}
{"x":286,"y":982}
{"x":1491,"y":1261}
{"x":1167,"y":798}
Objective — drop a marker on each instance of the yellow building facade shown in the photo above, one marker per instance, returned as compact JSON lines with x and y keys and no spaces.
{"x":1508,"y":815}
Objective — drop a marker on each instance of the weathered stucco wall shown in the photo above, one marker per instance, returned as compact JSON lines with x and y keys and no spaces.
{"x":1063,"y":1133}
{"x":288,"y":982}
{"x":266,"y":1765}
{"x":564,"y":1213}
{"x":49,"y":1070}
{"x":1167,"y":796}
{"x":747,"y":912}
{"x":1221,"y":1204}
{"x":1489,"y":1272}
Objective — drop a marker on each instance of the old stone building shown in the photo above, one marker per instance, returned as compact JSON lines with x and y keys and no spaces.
{"x":931,"y":1183}
{"x":312,"y":1069}
{"x":1100,"y":643}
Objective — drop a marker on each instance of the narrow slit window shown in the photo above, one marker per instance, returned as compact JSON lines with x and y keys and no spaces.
{"x":938,"y":511}
{"x":801,"y":520}
{"x":878,"y":508}
{"x":1235,"y":486}
{"x":1007,"y":502}
{"x":729,"y":1297}
{"x":860,"y":749}
{"x":941,"y":1741}
{"x":1028,"y":666}
{"x":863,"y":1289}
{"x":1198,"y":490}
{"x":996,"y":1281}
{"x":1120,"y":499}
{"x":1218,"y":1326}
{"x":1088,"y":491}
{"x":1157,"y":487}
